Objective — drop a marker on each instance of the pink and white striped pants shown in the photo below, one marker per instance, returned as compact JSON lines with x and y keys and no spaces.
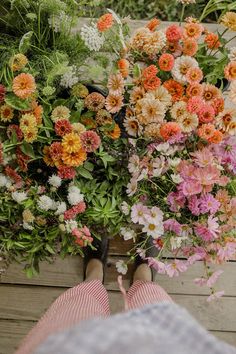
{"x":86,"y":301}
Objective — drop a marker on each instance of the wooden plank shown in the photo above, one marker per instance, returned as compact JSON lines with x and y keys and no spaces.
{"x":228,"y":337}
{"x":69,"y":272}
{"x":11,"y":333}
{"x":29,"y":303}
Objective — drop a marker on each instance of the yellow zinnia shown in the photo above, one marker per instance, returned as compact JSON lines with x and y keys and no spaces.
{"x":71,"y":143}
{"x":6,"y":113}
{"x":18,"y":62}
{"x":74,"y":159}
{"x":28,"y":121}
{"x":229,"y":20}
{"x":30,"y":134}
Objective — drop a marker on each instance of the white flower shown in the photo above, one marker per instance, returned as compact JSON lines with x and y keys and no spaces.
{"x":132,"y":187}
{"x":176,"y":242}
{"x":3,"y":180}
{"x":19,"y":196}
{"x":181,"y":66}
{"x":232,"y":54}
{"x":153,"y":230}
{"x":46,"y":203}
{"x":127,"y":233}
{"x":92,"y":37}
{"x":174,"y":162}
{"x":74,"y":195}
{"x":61,"y":208}
{"x":121,"y":267}
{"x":155,"y":216}
{"x":54,"y":181}
{"x":61,"y":22}
{"x":27,"y":226}
{"x":158,"y":165}
{"x":70,"y":225}
{"x":125,"y":208}
{"x":133,"y":165}
{"x":176,"y":178}
{"x":69,"y":79}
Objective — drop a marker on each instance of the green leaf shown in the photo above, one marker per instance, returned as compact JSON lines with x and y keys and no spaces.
{"x":49,"y":249}
{"x":85,"y":173}
{"x":27,"y":149}
{"x":89,"y":166}
{"x":136,"y":71}
{"x":17,"y":103}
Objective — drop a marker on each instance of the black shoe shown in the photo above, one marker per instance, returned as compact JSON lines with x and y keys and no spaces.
{"x":99,"y":251}
{"x":151,"y":252}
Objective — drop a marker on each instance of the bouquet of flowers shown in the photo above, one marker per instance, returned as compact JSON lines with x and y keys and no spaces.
{"x":167,"y":85}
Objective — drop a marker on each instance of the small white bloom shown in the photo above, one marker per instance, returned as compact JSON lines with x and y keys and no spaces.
{"x":174,"y":162}
{"x":121,"y":267}
{"x":61,"y":208}
{"x":134,"y":163}
{"x":70,"y":78}
{"x":176,"y":242}
{"x":176,"y":178}
{"x":127,"y":233}
{"x":154,"y":216}
{"x":92,"y":37}
{"x":70,"y":225}
{"x":132,"y":187}
{"x":3,"y":180}
{"x":153,"y":230}
{"x":46,"y":203}
{"x":54,"y":181}
{"x":162,"y":147}
{"x":74,"y":195}
{"x":158,"y":165}
{"x":232,"y":54}
{"x":19,"y":196}
{"x":125,"y":208}
{"x":27,"y":226}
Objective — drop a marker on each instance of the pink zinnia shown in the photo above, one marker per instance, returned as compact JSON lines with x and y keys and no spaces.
{"x":138,"y":213}
{"x":194,"y":104}
{"x":209,"y":204}
{"x":206,"y":113}
{"x":174,"y":33}
{"x":191,"y":187}
{"x":74,"y":211}
{"x":90,"y":141}
{"x":203,"y":232}
{"x":2,"y":93}
{"x":66,"y":172}
{"x":166,"y":62}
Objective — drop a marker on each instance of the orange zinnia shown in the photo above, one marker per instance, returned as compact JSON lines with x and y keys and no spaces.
{"x":115,"y":133}
{"x":206,"y":131}
{"x":71,"y":143}
{"x":175,"y":89}
{"x":153,"y":24}
{"x":123,"y":66}
{"x":216,"y":138}
{"x":105,"y":22}
{"x":212,"y":41}
{"x":169,"y":129}
{"x":24,"y":85}
{"x":74,"y":159}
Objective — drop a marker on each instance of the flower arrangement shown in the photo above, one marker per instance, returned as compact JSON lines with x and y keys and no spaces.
{"x":167,"y":84}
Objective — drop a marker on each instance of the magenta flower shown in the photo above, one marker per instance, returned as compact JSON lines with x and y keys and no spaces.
{"x":173,"y":225}
{"x":203,"y":232}
{"x":209,"y":204}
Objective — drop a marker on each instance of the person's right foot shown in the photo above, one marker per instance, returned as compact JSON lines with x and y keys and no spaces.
{"x":143,"y":272}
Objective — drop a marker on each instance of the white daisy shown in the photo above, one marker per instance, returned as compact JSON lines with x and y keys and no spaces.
{"x":155,"y":216}
{"x":153,"y":230}
{"x":127,"y":233}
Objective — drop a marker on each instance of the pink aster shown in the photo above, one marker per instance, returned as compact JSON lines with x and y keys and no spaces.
{"x":139,"y":213}
{"x":90,"y":141}
{"x":194,"y":104}
{"x":209,"y":204}
{"x":178,"y":266}
{"x":173,"y":226}
{"x":193,"y":205}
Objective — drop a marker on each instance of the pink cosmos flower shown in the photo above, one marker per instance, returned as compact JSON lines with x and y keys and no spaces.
{"x":90,"y":141}
{"x":213,"y":278}
{"x":215,"y":296}
{"x":139,"y":213}
{"x":193,"y":205}
{"x":160,"y":267}
{"x":213,"y":225}
{"x":154,"y":216}
{"x":194,"y":258}
{"x":191,"y":187}
{"x":203,"y":232}
{"x":173,"y":225}
{"x":206,"y":177}
{"x":178,"y":266}
{"x":227,"y":252}
{"x":203,"y":157}
{"x":209,"y":204}
{"x":200,"y":281}
{"x":176,"y":201}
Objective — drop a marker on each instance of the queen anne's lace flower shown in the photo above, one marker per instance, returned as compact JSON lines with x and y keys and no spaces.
{"x":91,"y":37}
{"x":69,"y":79}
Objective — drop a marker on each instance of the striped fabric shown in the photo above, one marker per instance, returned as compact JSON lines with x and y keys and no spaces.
{"x":83,"y":302}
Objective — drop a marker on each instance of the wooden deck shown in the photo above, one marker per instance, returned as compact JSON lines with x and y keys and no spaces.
{"x":23,"y":301}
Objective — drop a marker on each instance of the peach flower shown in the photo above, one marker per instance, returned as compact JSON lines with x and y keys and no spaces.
{"x":166,"y":62}
{"x":192,"y":30}
{"x":114,"y":103}
{"x":24,"y":85}
{"x":194,"y":75}
{"x":230,"y":71}
{"x":169,"y":129}
{"x":123,"y":66}
{"x":153,"y":24}
{"x":190,"y":47}
{"x":212,"y":40}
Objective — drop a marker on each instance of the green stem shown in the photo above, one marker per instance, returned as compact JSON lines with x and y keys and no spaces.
{"x":182,"y":14}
